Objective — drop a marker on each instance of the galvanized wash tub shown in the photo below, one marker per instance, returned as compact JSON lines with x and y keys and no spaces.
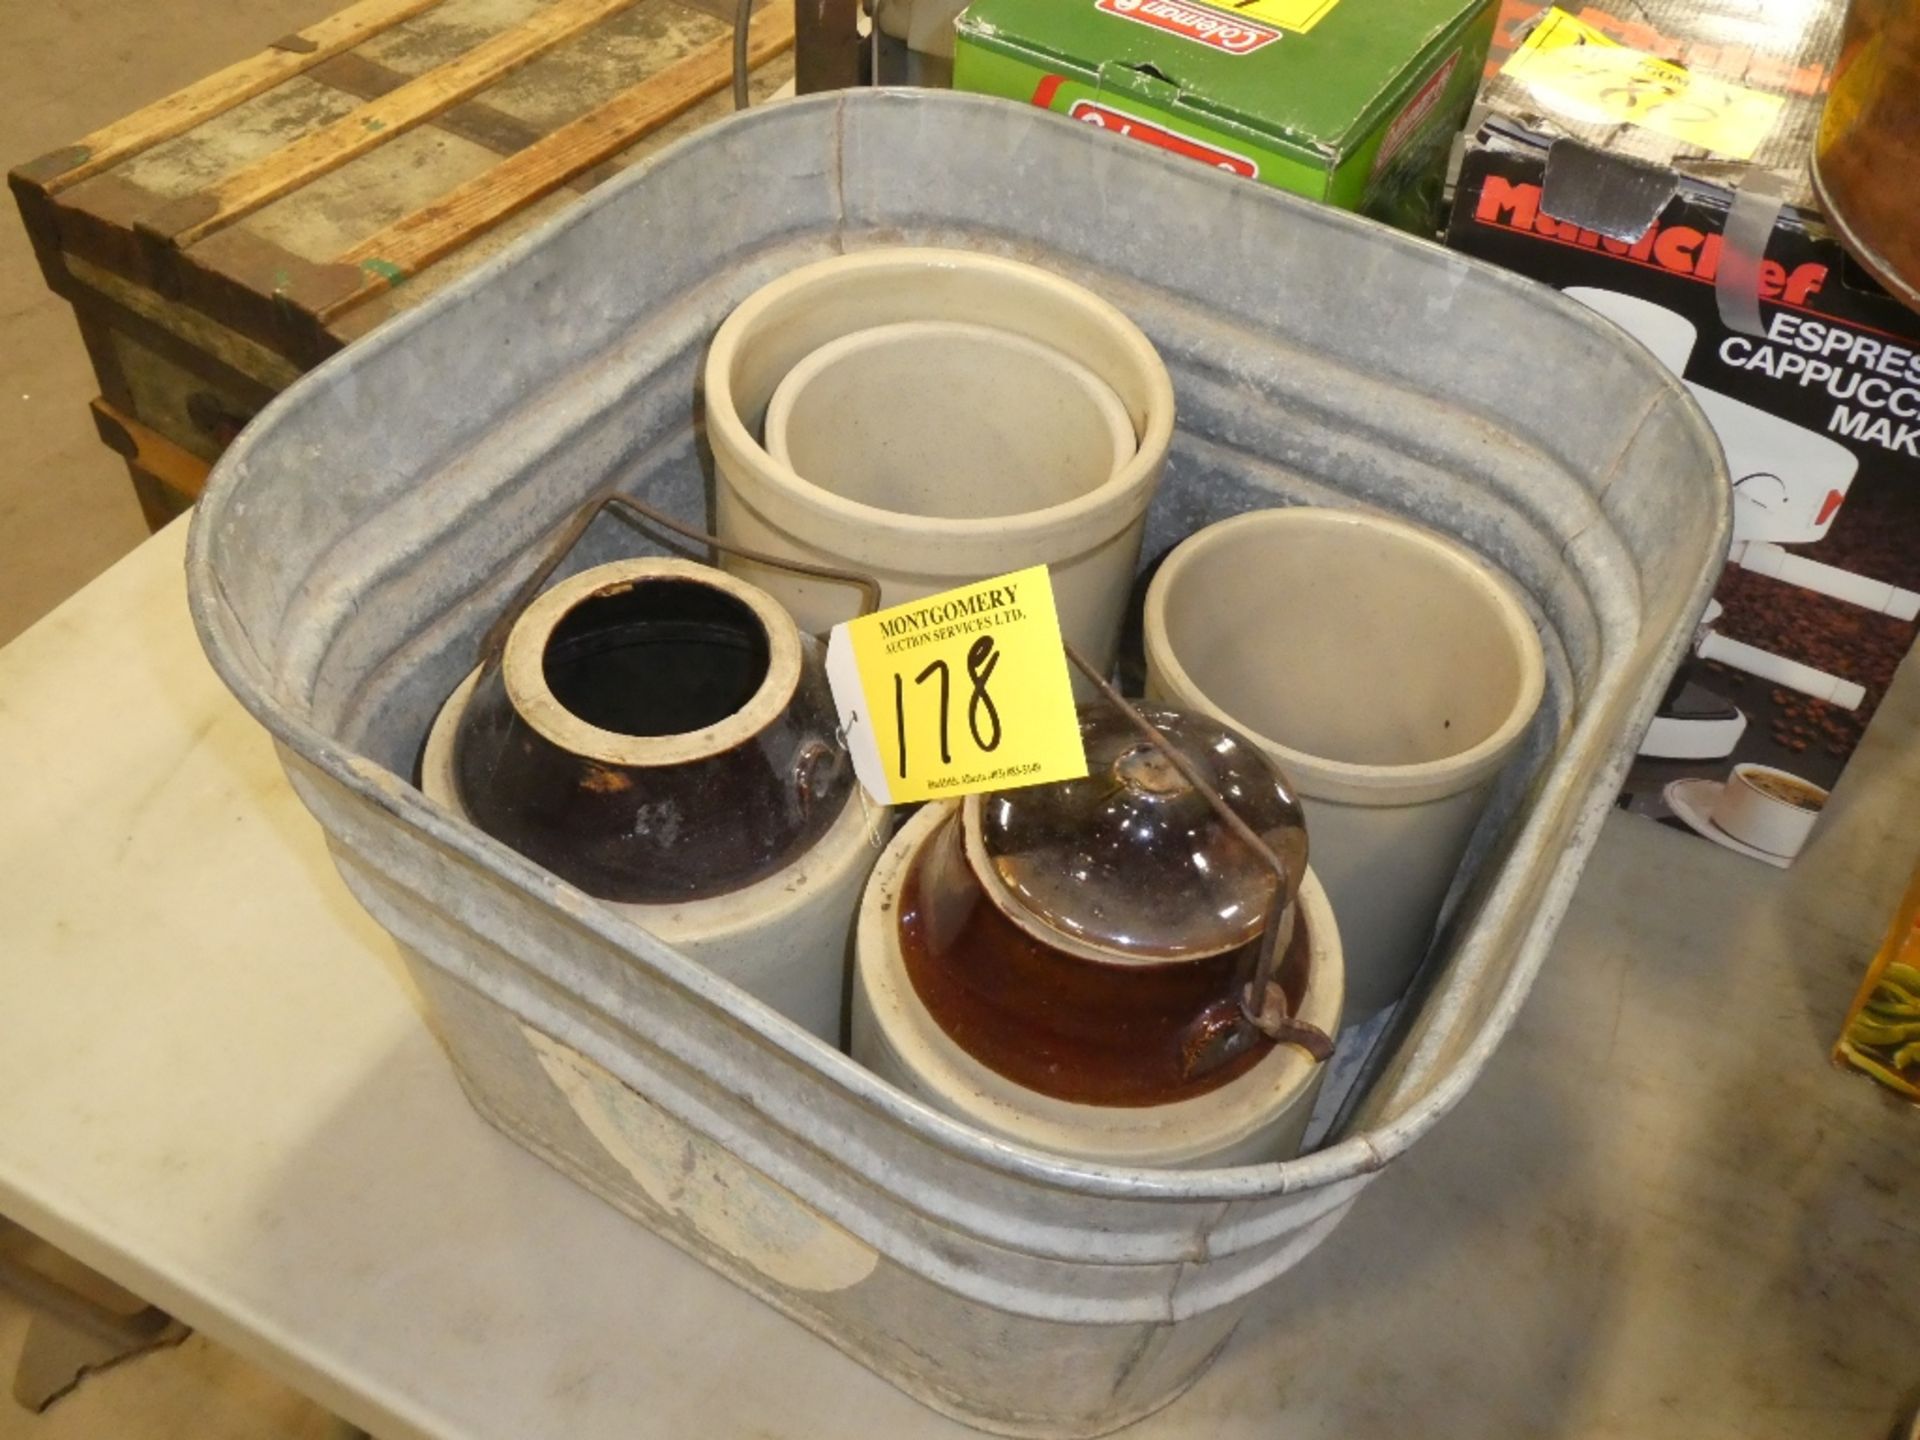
{"x":365,"y":530}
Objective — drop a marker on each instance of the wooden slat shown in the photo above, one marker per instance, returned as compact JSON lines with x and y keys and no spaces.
{"x":247,"y":189}
{"x":148,"y":452}
{"x":415,"y":241}
{"x":204,"y":99}
{"x":474,"y":121}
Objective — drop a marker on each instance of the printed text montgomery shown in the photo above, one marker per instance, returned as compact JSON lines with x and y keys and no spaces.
{"x":944,"y":619}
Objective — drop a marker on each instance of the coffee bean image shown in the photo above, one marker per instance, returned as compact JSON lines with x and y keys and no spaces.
{"x":1828,"y":634}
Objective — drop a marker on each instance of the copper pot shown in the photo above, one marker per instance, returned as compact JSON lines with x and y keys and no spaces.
{"x":1866,"y":159}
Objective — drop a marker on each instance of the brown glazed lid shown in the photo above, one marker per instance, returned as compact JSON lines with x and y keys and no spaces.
{"x":1132,"y":863}
{"x":1091,"y":939}
{"x":655,"y":731}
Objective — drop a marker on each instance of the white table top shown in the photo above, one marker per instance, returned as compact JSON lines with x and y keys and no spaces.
{"x":1659,"y":1214}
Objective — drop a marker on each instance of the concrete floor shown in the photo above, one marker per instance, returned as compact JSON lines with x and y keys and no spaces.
{"x":66,"y":514}
{"x":192,"y":1391}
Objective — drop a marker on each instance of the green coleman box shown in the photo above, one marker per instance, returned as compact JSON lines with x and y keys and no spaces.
{"x":1354,"y":102}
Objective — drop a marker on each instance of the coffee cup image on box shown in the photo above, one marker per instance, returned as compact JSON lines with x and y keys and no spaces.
{"x":1758,"y":810}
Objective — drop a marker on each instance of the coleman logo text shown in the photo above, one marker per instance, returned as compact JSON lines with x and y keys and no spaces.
{"x":1417,"y":110}
{"x":1105,"y":117}
{"x":1194,"y":22}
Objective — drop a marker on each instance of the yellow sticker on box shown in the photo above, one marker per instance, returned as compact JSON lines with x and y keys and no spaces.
{"x":1572,"y":68}
{"x":1298,"y":16}
{"x":958,"y":692}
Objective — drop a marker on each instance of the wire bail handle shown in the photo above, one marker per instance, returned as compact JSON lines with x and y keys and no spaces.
{"x":1263,"y":1004}
{"x":638,"y":513}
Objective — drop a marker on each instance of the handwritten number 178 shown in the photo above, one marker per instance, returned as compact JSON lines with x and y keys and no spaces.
{"x":982,"y":716}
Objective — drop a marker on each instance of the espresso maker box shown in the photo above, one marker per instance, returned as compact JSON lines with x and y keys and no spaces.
{"x":1355,"y":102}
{"x":1658,"y":173}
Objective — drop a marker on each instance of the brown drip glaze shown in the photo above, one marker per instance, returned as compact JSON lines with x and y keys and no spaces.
{"x":651,"y":655}
{"x":1076,"y":1029}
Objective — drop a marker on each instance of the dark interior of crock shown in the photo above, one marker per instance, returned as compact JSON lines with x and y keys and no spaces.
{"x":657,"y":657}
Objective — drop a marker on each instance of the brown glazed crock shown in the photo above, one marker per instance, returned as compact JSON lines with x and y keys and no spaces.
{"x":1091,"y":939}
{"x":655,"y":731}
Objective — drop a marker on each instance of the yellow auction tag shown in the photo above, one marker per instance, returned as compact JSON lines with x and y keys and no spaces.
{"x":1298,"y":16}
{"x":1577,"y":70}
{"x":961,"y":691}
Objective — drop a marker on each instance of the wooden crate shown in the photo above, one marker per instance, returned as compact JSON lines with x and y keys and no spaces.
{"x":220,"y":242}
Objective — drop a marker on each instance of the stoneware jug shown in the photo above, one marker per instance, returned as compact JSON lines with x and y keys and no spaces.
{"x":661,"y":734}
{"x":1063,"y":965}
